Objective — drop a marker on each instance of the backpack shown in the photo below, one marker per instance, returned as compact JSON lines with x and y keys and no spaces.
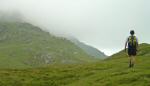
{"x":132,"y":41}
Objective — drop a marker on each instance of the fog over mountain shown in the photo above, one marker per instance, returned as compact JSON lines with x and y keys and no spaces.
{"x":104,"y":24}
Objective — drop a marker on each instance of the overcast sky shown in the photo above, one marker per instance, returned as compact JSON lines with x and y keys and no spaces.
{"x":104,"y":24}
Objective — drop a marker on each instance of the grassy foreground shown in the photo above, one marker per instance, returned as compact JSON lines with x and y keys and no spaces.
{"x":114,"y":72}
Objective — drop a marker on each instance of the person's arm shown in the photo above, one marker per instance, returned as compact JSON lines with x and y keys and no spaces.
{"x":126,"y":44}
{"x":137,"y":44}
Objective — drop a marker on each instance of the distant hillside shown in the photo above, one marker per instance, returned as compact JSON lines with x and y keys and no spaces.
{"x":143,"y":50}
{"x":89,"y":49}
{"x":25,"y":45}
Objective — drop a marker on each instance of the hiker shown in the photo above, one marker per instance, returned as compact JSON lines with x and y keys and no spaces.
{"x":132,"y":43}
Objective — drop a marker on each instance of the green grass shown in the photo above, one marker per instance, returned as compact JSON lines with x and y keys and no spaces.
{"x":110,"y":72}
{"x":106,"y":73}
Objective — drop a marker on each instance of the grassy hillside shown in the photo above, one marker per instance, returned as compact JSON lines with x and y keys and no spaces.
{"x":23,"y":45}
{"x":89,"y":49}
{"x":111,"y":72}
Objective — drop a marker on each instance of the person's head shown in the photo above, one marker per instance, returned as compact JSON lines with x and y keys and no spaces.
{"x":132,"y":32}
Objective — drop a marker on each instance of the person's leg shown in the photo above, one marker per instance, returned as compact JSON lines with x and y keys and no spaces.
{"x":133,"y":60}
{"x":130,"y":61}
{"x":133,"y":57}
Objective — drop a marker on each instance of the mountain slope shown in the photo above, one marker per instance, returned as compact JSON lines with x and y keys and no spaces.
{"x":112,"y":72}
{"x":89,"y":49}
{"x":143,"y":50}
{"x":25,"y":45}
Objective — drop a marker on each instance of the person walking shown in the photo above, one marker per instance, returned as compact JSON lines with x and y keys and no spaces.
{"x":132,"y":43}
